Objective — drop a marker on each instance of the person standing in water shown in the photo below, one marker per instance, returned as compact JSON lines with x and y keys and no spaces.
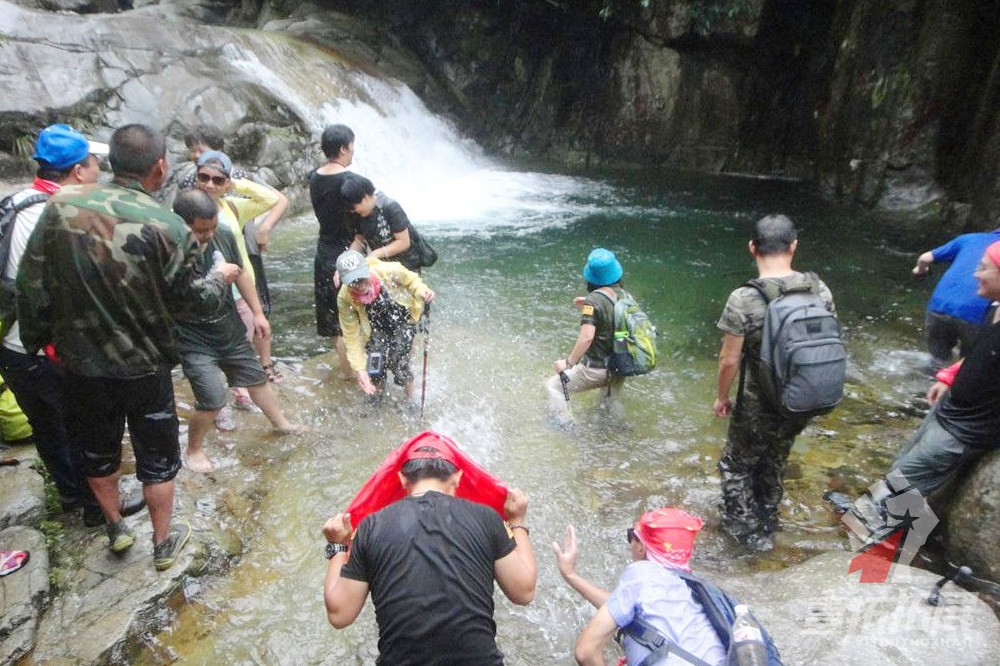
{"x":335,"y":237}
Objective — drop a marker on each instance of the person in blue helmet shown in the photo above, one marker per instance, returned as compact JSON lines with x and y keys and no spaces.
{"x":585,"y":367}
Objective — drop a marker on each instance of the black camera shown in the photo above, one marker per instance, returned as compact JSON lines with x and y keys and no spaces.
{"x":376,"y":364}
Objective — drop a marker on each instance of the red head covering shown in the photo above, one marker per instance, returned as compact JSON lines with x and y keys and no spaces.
{"x":668,"y":535}
{"x":993,"y":253}
{"x":383,"y":488}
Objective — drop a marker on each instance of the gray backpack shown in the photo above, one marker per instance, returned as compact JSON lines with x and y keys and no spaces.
{"x":802,"y":356}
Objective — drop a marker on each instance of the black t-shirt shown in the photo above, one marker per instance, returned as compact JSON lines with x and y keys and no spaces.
{"x":971,"y":409}
{"x":328,"y":205}
{"x":428,"y":562}
{"x":387,"y":218}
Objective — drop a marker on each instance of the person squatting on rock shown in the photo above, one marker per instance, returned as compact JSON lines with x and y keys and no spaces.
{"x":585,"y":367}
{"x":379,"y":304}
{"x":964,"y":421}
{"x":334,"y":233}
{"x":661,"y":542}
{"x":239,"y":202}
{"x":216,"y":341}
{"x":65,"y":157}
{"x":102,"y":278}
{"x":759,"y":437}
{"x":430,"y":560}
{"x":379,"y":223}
{"x":956,"y":313}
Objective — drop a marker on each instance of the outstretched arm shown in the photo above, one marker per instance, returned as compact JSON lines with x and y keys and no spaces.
{"x":566,"y":562}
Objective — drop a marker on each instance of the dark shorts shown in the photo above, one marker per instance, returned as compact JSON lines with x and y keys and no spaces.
{"x":327,"y":314}
{"x":240,"y":365}
{"x":943,"y":332}
{"x":97,"y":409}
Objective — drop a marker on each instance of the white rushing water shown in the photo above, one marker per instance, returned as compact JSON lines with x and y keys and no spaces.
{"x":443,"y":180}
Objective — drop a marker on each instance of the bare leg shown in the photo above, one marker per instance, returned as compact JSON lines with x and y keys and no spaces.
{"x":198,"y":426}
{"x":106,"y":491}
{"x":160,"y":500}
{"x":346,"y":373}
{"x":264,"y":398}
{"x":263,"y":347}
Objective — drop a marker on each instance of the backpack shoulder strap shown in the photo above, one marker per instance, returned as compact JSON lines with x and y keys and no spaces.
{"x":659,"y":646}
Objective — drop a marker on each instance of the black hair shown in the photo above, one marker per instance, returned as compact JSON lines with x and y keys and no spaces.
{"x":334,"y":138}
{"x":428,"y":468}
{"x":591,"y":286}
{"x":206,"y":134}
{"x":47,"y":172}
{"x":193,"y":203}
{"x":774,"y":234}
{"x":355,"y":188}
{"x":134,"y":149}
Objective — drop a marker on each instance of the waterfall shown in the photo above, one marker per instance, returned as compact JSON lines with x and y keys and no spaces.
{"x":443,"y":180}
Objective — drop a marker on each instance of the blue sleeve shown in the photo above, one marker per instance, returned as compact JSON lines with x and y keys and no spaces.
{"x":949,"y":250}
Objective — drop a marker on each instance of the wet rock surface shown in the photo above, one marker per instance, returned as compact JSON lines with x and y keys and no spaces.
{"x":818,"y":613}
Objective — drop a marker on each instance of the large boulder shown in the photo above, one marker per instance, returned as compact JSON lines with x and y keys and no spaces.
{"x":973,"y":519}
{"x":818,"y":613}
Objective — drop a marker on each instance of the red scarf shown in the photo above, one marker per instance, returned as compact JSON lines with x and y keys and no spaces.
{"x":46,"y":186}
{"x":374,"y":289}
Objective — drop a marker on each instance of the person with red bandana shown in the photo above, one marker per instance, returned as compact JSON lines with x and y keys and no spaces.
{"x":379,"y":305}
{"x":661,"y":543}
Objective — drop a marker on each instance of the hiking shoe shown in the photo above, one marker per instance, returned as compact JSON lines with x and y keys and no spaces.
{"x":224,"y":420}
{"x":842,"y":502}
{"x":120,"y":537}
{"x":165,"y":553}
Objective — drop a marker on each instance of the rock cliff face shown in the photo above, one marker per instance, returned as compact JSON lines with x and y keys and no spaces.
{"x":889,"y":105}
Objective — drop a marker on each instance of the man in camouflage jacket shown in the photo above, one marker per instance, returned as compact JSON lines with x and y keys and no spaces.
{"x":102,"y":274}
{"x":759,"y":438}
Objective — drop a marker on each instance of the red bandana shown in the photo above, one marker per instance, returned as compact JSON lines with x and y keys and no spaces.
{"x":369,"y":296}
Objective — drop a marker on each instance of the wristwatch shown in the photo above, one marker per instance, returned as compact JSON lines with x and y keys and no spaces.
{"x":334,"y":548}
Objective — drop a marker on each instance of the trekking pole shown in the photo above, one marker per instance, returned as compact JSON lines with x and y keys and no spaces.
{"x":957,"y":574}
{"x":564,"y":378}
{"x":427,"y":341}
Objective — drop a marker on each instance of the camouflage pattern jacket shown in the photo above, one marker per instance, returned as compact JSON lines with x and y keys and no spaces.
{"x":102,"y":274}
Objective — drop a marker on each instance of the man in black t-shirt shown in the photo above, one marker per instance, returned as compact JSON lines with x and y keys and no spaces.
{"x":429,"y":561}
{"x":964,"y":422}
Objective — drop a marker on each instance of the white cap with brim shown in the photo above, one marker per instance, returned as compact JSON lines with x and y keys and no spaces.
{"x":352,"y":267}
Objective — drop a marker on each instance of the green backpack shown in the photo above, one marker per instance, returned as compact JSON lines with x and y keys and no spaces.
{"x":634,"y":349}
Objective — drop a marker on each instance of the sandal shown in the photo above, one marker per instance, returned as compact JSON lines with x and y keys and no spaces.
{"x":273,"y":374}
{"x":12,"y":560}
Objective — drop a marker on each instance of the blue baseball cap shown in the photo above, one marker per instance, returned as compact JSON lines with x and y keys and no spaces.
{"x":602,"y":268}
{"x":217,"y":160}
{"x":61,"y":146}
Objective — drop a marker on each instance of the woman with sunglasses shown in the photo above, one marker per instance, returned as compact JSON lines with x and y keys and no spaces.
{"x":239,"y":202}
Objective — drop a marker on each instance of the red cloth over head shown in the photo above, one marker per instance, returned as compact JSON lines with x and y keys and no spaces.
{"x":383,"y":488}
{"x":668,"y":535}
{"x":993,"y":253}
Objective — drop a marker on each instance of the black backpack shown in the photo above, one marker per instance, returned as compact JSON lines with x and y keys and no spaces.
{"x":719,"y":606}
{"x":8,"y":215}
{"x":802,"y":358}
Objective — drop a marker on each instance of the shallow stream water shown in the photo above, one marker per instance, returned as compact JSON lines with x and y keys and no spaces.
{"x":505,"y":283}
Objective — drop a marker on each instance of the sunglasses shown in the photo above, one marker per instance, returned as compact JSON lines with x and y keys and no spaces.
{"x":218,"y":181}
{"x":630,"y":535}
